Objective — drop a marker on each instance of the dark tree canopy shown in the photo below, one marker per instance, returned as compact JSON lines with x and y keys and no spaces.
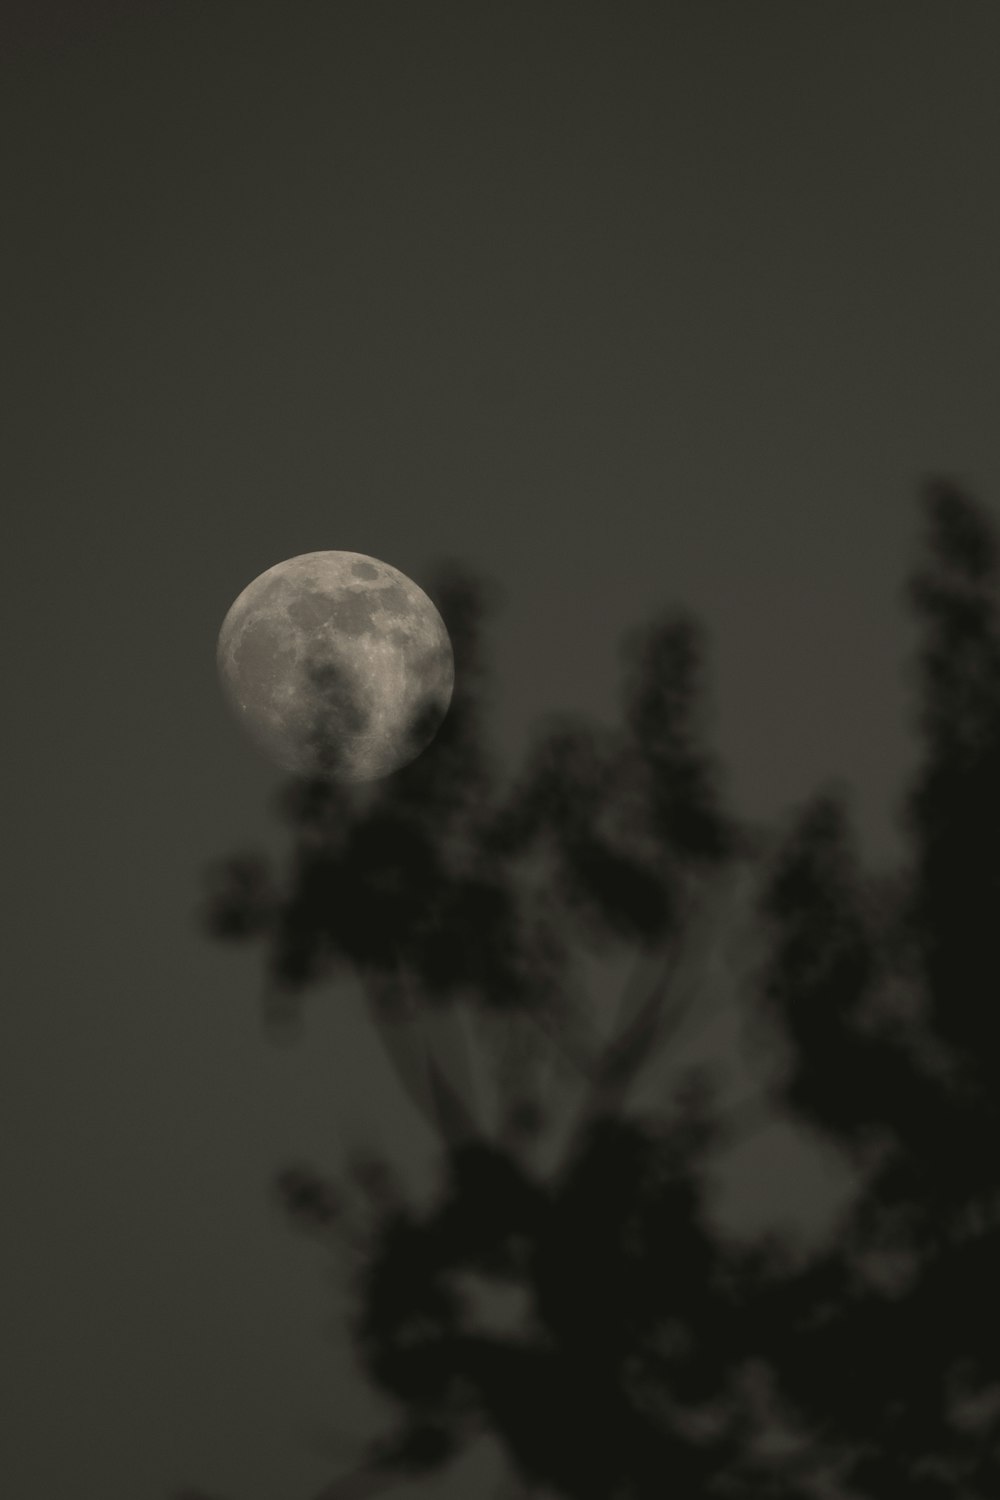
{"x":650,"y":1355}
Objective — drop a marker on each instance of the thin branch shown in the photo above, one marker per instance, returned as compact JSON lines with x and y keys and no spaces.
{"x":650,"y":1024}
{"x":410,"y":1048}
{"x":651,"y":1021}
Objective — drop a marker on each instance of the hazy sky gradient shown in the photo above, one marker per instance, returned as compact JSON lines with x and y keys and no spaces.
{"x":619,"y":303}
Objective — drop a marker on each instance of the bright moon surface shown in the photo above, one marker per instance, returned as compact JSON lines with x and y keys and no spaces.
{"x":337,"y":665}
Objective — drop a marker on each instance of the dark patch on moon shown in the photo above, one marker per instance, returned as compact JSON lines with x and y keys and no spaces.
{"x":364,"y":570}
{"x":309,"y":610}
{"x":352,"y":613}
{"x":393,"y":600}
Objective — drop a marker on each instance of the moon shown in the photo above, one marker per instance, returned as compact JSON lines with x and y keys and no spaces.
{"x":337,"y":666}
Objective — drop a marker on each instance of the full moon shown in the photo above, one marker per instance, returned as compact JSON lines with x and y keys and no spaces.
{"x":337,"y":666}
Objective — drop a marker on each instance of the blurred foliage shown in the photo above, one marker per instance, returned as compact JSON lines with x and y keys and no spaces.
{"x":640,"y":1352}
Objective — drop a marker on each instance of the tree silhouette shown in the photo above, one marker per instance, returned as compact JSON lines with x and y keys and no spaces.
{"x":643,"y":1353}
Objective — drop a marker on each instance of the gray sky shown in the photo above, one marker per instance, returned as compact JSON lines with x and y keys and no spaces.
{"x":622,"y":304}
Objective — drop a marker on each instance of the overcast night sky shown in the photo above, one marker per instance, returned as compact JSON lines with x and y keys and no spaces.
{"x":620,"y":305}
